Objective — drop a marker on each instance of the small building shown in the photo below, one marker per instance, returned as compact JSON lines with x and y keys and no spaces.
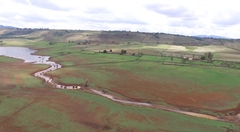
{"x":190,"y":59}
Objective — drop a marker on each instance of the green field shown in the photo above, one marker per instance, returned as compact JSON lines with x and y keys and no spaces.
{"x":148,"y":72}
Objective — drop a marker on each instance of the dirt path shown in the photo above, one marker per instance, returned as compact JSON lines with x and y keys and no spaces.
{"x":161,"y":107}
{"x":49,"y":80}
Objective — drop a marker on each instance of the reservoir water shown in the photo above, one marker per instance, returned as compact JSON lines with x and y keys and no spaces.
{"x":23,"y":53}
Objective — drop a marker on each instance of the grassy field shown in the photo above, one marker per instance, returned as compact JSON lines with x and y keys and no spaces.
{"x":32,"y":106}
{"x":126,"y":76}
{"x":28,"y":104}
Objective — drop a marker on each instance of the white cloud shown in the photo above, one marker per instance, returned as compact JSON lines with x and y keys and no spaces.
{"x":227,"y":19}
{"x":172,"y":16}
{"x":172,"y":11}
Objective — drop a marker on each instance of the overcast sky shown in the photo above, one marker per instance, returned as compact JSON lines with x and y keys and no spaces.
{"x":186,"y":17}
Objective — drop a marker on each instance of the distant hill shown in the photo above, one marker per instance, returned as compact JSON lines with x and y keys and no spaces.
{"x":87,"y":37}
{"x":210,"y":36}
{"x":1,"y":26}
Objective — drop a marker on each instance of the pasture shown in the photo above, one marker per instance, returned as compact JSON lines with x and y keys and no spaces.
{"x":152,"y":72}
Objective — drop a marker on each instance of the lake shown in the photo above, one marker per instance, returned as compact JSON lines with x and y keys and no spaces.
{"x":23,"y":53}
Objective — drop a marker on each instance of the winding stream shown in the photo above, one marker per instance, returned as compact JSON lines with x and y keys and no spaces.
{"x":26,"y":54}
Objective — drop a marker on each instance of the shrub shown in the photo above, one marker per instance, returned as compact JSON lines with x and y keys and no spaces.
{"x":104,"y":51}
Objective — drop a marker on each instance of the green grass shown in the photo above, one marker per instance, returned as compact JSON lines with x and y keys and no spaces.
{"x":44,"y":119}
{"x":152,"y":58}
{"x":202,"y":63}
{"x":9,"y":105}
{"x":96,"y":65}
{"x":199,"y":75}
{"x":101,"y":57}
{"x":67,"y":63}
{"x":204,"y":75}
{"x":97,"y":77}
{"x":4,"y":59}
{"x":191,"y":48}
{"x":181,"y":122}
{"x":71,"y":80}
{"x":32,"y":82}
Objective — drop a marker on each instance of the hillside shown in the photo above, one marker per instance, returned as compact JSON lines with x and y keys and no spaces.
{"x":112,"y":37}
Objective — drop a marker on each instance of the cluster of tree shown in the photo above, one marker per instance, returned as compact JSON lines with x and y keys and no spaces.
{"x":87,"y":42}
{"x":229,"y":64}
{"x":84,"y":43}
{"x":207,"y":56}
{"x":105,"y":51}
{"x":156,"y":36}
{"x":32,"y":28}
{"x":123,"y":52}
{"x":52,"y":43}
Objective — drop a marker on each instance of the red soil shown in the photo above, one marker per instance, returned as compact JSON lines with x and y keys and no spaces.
{"x":78,"y":111}
{"x":139,"y":88}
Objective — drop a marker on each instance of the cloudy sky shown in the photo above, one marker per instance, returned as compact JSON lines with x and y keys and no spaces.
{"x":186,"y":17}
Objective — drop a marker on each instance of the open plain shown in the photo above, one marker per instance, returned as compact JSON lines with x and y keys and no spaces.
{"x":190,"y":74}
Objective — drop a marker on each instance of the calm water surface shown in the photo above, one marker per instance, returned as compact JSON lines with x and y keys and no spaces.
{"x":23,"y":53}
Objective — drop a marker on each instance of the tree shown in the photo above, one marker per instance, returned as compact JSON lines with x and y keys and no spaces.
{"x":203,"y":57}
{"x":123,"y":52}
{"x":51,"y":43}
{"x":210,"y":56}
{"x":104,"y":51}
{"x":184,"y":60}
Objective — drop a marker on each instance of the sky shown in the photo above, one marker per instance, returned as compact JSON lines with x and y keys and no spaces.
{"x":184,"y":17}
